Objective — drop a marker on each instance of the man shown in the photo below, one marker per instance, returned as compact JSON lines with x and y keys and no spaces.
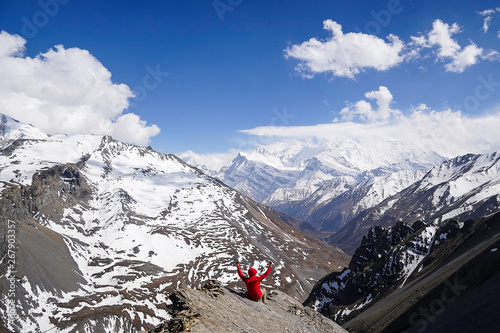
{"x":253,"y":283}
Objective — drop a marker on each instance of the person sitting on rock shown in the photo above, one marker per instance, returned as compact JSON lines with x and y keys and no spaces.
{"x":254,"y":291}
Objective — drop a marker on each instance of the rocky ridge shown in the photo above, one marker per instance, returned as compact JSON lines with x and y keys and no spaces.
{"x":399,"y":270}
{"x":214,"y":308}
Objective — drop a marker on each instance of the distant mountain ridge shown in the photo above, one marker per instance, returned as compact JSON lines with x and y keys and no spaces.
{"x":342,"y":188}
{"x":328,"y":183}
{"x":462,"y":188}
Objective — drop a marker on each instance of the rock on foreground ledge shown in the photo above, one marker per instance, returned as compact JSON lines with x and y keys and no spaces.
{"x":213,"y":308}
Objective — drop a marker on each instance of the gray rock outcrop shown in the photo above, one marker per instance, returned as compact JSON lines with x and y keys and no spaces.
{"x":213,"y":308}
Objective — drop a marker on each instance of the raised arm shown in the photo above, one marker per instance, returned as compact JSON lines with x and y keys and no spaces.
{"x":263,"y":276}
{"x":240,"y":273}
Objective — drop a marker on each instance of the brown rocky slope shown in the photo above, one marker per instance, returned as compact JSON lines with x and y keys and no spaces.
{"x":213,"y":308}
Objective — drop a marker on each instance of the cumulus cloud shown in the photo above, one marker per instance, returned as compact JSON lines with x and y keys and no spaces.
{"x":469,"y":56}
{"x":440,"y":35}
{"x":457,"y":59}
{"x":448,"y":48}
{"x":345,"y":54}
{"x":446,"y":132}
{"x":348,"y":54}
{"x":365,"y":111}
{"x":11,"y":45}
{"x":66,"y":91}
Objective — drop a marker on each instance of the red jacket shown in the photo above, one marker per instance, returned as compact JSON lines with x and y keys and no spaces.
{"x":253,"y":282}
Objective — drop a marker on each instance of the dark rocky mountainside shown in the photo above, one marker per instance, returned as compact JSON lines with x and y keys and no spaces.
{"x":418,"y":277}
{"x":214,"y":308}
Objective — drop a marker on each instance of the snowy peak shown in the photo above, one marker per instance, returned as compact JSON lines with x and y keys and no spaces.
{"x":256,"y":179}
{"x":457,"y":186}
{"x":209,"y":164}
{"x":347,"y":156}
{"x":11,"y":130}
{"x":471,"y":168}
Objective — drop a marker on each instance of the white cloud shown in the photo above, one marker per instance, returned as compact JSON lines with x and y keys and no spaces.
{"x":440,"y":35}
{"x":348,"y":54}
{"x":209,"y":163}
{"x":488,"y":16}
{"x":448,"y":48}
{"x":446,"y":132}
{"x":11,"y":45}
{"x":66,"y":91}
{"x":486,"y":23}
{"x":365,"y":111}
{"x":467,"y":57}
{"x":345,"y":55}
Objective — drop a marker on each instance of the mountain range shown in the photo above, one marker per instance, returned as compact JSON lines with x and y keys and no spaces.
{"x":461,"y":188}
{"x":324,"y":183}
{"x":96,"y":234}
{"x":103,"y":231}
{"x":342,"y":188}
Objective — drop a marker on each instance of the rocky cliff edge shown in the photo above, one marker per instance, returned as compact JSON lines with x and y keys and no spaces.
{"x":213,"y":308}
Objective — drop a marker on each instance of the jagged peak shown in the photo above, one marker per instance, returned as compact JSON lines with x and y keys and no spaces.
{"x":111,"y":147}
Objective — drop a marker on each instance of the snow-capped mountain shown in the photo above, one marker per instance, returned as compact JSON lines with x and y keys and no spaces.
{"x":338,"y":201}
{"x":463,"y":187}
{"x":103,"y":230}
{"x":400,"y":274}
{"x":11,"y":130}
{"x":326,"y":183}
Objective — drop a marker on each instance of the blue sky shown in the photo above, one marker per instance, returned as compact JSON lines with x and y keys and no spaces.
{"x":203,"y":71}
